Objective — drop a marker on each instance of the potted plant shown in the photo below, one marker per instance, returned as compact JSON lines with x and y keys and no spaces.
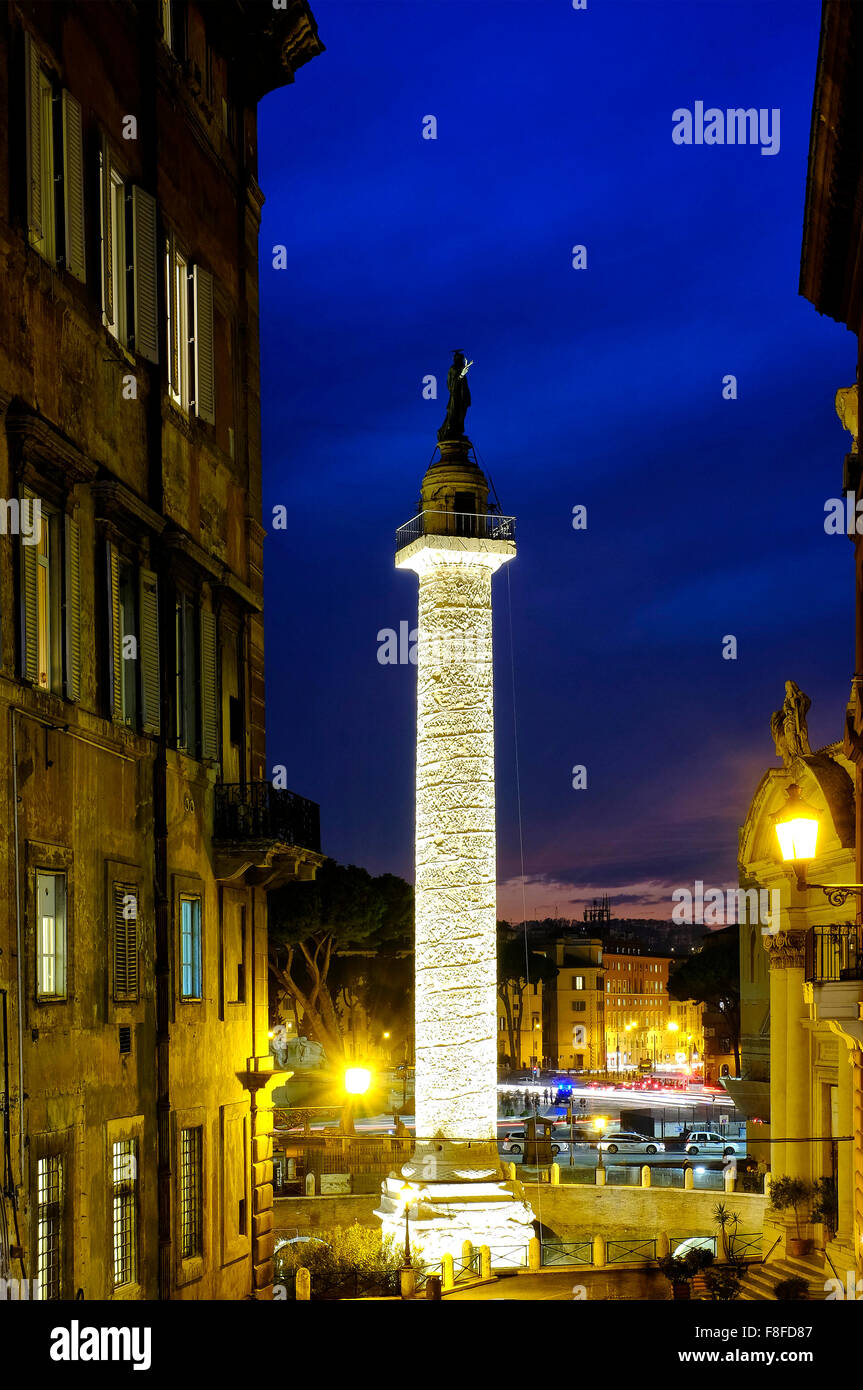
{"x":793,"y":1194}
{"x":727,"y":1221}
{"x":825,"y":1207}
{"x":680,"y":1270}
{"x":792,"y":1290}
{"x":723,"y":1282}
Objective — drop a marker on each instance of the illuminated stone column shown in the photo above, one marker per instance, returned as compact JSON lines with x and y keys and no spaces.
{"x":456,"y":913}
{"x":458,"y":1191}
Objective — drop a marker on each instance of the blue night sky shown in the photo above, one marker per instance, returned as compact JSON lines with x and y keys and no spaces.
{"x":600,"y":386}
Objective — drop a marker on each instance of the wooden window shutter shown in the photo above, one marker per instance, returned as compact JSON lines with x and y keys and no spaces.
{"x":148,"y":652}
{"x":73,"y":187}
{"x":73,"y":609}
{"x":29,"y":603}
{"x":115,"y":635}
{"x":144,"y":255}
{"x":107,"y":235}
{"x":33,"y":138}
{"x":202,"y":293}
{"x":125,"y":940}
{"x":209,"y":716}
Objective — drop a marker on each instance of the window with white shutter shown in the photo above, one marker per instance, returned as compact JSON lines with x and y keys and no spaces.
{"x":73,"y":187}
{"x":29,"y":603}
{"x":177,"y":304}
{"x":115,"y":308}
{"x":125,"y":941}
{"x":209,"y":701}
{"x":115,"y":634}
{"x":144,"y":255}
{"x":39,"y":154}
{"x":149,"y":652}
{"x":73,"y":609}
{"x":202,"y":294}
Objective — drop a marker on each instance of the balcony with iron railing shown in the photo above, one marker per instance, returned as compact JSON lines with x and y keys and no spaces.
{"x":488,"y":526}
{"x":833,"y":969}
{"x":833,"y":953}
{"x":258,"y":825}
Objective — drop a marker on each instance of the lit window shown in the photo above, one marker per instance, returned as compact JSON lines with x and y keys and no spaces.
{"x":177,"y":297}
{"x":125,"y":1213}
{"x":190,"y":948}
{"x":46,"y":244}
{"x":114,"y":257}
{"x":49,"y":1217}
{"x":51,"y":936}
{"x":191,"y":1193}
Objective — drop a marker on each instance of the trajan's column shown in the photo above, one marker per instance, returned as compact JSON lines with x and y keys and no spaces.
{"x":454,"y":1181}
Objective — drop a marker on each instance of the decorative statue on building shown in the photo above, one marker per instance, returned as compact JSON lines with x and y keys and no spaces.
{"x":459,"y":398}
{"x":300,"y":1053}
{"x":788,"y":724}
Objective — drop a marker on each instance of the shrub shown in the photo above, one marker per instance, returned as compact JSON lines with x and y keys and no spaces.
{"x":723,"y":1283}
{"x":682,"y":1269}
{"x":793,"y":1290}
{"x":355,"y":1252}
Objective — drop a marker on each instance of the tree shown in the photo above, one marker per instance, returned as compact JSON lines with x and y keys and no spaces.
{"x":517,"y":966}
{"x":711,"y":976}
{"x":310,"y":923}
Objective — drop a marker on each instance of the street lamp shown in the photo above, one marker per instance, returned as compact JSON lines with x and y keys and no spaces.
{"x":797,"y":831}
{"x":407,"y":1195}
{"x":357,"y":1081}
{"x":599,"y":1123}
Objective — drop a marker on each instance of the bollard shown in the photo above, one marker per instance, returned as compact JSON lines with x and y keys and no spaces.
{"x":447,"y":1272}
{"x":484,"y":1262}
{"x":292,"y":1169}
{"x":534,"y":1253}
{"x":645,"y":1175}
{"x":433,"y":1289}
{"x":600,"y":1177}
{"x":510,"y":1171}
{"x":729,"y":1180}
{"x":407,"y":1281}
{"x":467,"y":1254}
{"x":663,"y":1246}
{"x":555,"y":1175}
{"x":303,"y":1285}
{"x":688,"y":1179}
{"x":599,"y":1252}
{"x":310,"y":1184}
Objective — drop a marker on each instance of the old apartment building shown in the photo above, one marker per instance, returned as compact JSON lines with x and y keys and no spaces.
{"x":141,"y":831}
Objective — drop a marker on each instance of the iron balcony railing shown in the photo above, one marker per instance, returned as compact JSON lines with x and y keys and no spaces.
{"x":256,"y":811}
{"x":489,"y":526}
{"x":833,"y":952}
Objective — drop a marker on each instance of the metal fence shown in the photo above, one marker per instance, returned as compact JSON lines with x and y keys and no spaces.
{"x":567,"y":1252}
{"x":620,"y":1251}
{"x":489,"y":526}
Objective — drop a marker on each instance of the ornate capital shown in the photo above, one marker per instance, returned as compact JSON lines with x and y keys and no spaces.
{"x":785,"y":950}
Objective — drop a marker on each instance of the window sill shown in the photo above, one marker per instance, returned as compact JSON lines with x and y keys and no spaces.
{"x":127,"y":1293}
{"x":117,"y":348}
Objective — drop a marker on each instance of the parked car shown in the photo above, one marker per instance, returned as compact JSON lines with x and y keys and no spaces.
{"x":628,"y":1142}
{"x":707,"y":1141}
{"x":513,"y":1141}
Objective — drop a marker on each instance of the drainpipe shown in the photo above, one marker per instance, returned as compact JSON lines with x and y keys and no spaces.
{"x":19,"y":970}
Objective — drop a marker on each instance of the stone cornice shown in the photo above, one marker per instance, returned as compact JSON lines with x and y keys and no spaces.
{"x":41,"y":447}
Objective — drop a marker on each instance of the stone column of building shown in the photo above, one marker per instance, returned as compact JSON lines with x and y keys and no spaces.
{"x":778,"y":1090}
{"x":455,"y":548}
{"x":845,"y":1151}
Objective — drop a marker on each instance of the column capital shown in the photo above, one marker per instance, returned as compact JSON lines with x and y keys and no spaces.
{"x":785,"y":950}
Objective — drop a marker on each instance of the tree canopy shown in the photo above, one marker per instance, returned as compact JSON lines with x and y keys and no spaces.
{"x":311,"y":925}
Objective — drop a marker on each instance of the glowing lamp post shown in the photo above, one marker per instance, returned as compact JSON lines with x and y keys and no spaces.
{"x":797,"y":831}
{"x":357,"y":1081}
{"x":599,"y":1123}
